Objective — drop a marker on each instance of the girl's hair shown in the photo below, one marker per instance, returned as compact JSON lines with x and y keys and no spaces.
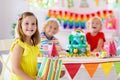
{"x":49,"y":22}
{"x":20,"y":34}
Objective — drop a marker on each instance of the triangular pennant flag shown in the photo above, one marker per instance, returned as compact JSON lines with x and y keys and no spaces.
{"x":29,"y":1}
{"x":72,"y":69}
{"x":53,"y":51}
{"x":106,"y":1}
{"x":91,"y":68}
{"x":97,"y":2}
{"x":106,"y":67}
{"x":84,"y":4}
{"x":117,"y":67}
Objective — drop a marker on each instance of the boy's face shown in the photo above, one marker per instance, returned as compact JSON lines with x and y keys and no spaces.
{"x":95,"y":25}
{"x":51,"y":30}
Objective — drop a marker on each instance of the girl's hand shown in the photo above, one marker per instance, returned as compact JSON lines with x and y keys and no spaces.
{"x":39,"y":79}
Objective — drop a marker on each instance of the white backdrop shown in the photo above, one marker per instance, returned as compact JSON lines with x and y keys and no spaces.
{"x":9,"y":11}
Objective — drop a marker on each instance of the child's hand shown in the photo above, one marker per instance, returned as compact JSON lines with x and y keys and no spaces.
{"x":39,"y":79}
{"x":40,"y":54}
{"x":96,"y":50}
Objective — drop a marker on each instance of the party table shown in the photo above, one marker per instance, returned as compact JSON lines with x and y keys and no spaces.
{"x":90,"y":68}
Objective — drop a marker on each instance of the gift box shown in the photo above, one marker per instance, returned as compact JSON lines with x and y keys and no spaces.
{"x":50,"y":68}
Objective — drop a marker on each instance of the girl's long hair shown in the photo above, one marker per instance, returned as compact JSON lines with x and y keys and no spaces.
{"x":19,"y":33}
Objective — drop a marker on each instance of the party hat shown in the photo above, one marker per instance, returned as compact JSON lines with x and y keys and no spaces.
{"x":112,"y":48}
{"x":53,"y":51}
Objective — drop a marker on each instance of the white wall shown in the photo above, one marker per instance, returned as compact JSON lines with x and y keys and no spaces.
{"x":9,"y":10}
{"x":63,"y":34}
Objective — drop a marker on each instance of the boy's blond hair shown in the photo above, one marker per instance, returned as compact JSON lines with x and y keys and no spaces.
{"x":49,"y":22}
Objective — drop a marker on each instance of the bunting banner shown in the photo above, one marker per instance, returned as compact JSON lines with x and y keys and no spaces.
{"x":117,"y":67}
{"x":42,"y":3}
{"x":117,"y":5}
{"x":50,"y":3}
{"x":106,"y":1}
{"x":84,"y":4}
{"x":63,"y":3}
{"x":106,"y":67}
{"x":70,"y":3}
{"x":97,"y":2}
{"x":72,"y":69}
{"x":71,"y":20}
{"x":48,"y":65}
{"x":91,"y":68}
{"x":29,"y":1}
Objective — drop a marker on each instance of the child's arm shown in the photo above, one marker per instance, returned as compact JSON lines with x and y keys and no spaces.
{"x":39,"y":79}
{"x":16,"y":68}
{"x":99,"y":46}
{"x":59,"y":45}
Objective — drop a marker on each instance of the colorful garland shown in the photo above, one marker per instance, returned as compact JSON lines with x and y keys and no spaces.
{"x":70,"y":20}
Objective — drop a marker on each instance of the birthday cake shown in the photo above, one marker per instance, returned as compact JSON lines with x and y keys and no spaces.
{"x":77,"y":43}
{"x":78,"y":47}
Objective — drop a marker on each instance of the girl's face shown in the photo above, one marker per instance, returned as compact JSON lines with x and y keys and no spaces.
{"x":95,"y":25}
{"x":51,"y":30}
{"x":29,"y":25}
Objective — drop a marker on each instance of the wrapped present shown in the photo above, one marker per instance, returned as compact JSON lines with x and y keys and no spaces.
{"x":50,"y":68}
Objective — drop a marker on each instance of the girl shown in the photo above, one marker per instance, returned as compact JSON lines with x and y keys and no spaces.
{"x":24,"y":50}
{"x":95,"y":38}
